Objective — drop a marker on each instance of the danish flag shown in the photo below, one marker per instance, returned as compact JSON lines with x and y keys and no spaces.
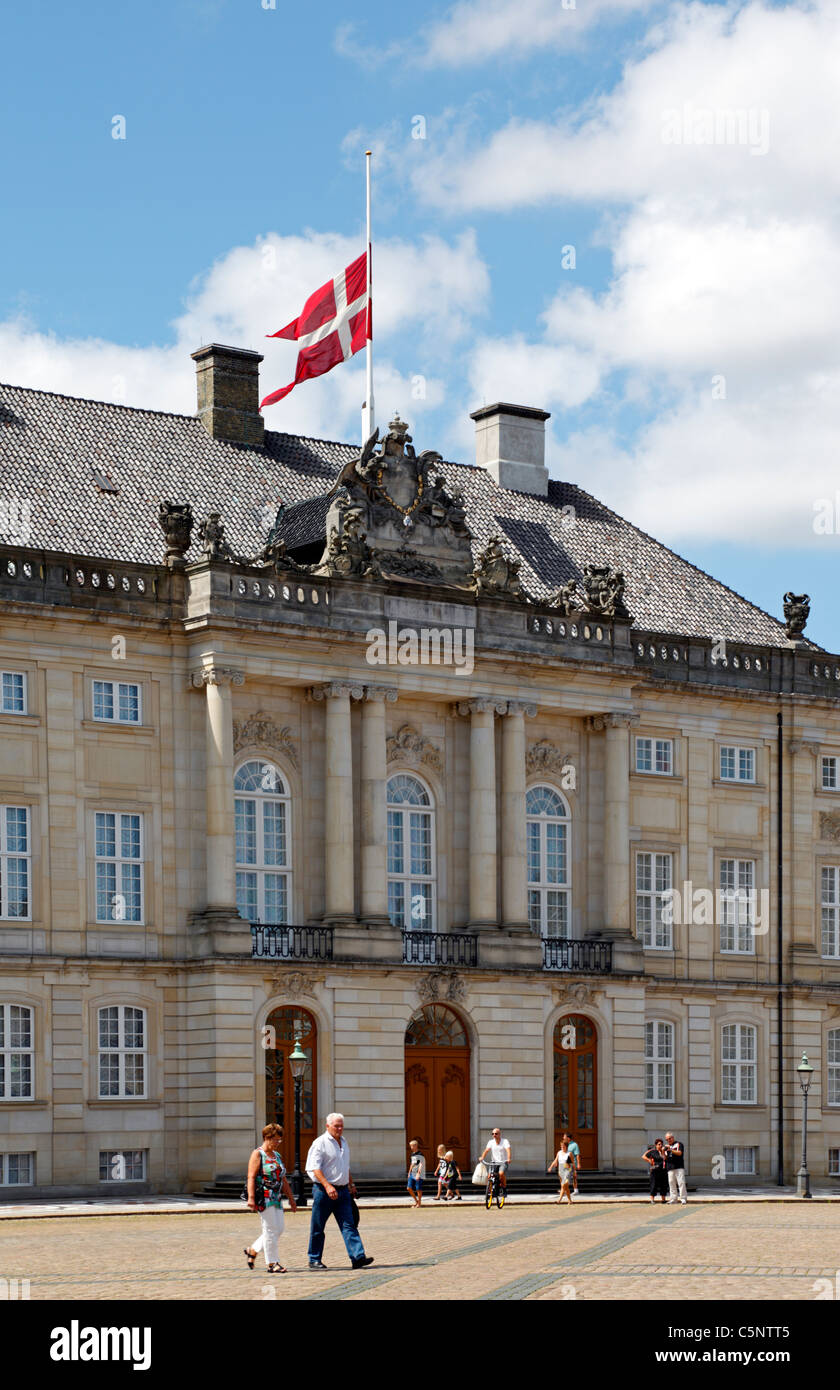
{"x":335,"y":323}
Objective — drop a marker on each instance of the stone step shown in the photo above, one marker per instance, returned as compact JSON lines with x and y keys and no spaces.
{"x":524,"y":1183}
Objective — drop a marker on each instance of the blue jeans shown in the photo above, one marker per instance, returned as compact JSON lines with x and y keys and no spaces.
{"x":342,"y":1210}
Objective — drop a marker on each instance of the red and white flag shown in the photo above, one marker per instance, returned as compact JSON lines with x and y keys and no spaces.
{"x":335,"y":323}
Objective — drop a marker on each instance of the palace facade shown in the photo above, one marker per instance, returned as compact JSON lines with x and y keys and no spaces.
{"x":504,"y":810}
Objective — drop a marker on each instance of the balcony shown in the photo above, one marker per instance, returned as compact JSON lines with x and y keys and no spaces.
{"x":439,"y":948}
{"x":590,"y":957}
{"x":291,"y":943}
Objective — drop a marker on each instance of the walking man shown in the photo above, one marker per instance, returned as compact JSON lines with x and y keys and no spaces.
{"x":499,"y":1151}
{"x":675,"y":1168}
{"x":328,"y":1165}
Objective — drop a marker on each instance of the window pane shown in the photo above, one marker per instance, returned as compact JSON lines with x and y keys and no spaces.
{"x":727,"y":762}
{"x":245,"y":818}
{"x":395,"y":843}
{"x":106,"y":891}
{"x":644,"y":755}
{"x":109,"y":1028}
{"x":14,"y":693}
{"x":106,"y":834}
{"x":421,"y":842}
{"x":276,"y":899}
{"x":130,"y":837}
{"x":396,"y":904}
{"x":103,"y":700}
{"x":246,"y":896}
{"x":129,"y":703}
{"x":274,"y":832}
{"x":132,"y":892}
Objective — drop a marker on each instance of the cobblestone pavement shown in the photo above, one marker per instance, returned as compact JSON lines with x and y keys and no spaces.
{"x":750,"y":1251}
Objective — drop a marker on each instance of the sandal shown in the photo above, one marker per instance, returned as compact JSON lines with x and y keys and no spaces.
{"x":250,"y":1256}
{"x":276,"y":1269}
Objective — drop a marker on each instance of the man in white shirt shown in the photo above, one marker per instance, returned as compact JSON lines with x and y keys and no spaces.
{"x":499,"y":1151}
{"x":328,"y":1165}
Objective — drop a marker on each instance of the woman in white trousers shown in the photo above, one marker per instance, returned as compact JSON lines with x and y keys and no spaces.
{"x":267,"y":1163}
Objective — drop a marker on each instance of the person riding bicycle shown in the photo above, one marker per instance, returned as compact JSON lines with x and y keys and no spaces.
{"x":499,"y":1151}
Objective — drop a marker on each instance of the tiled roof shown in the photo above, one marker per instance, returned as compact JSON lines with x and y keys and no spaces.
{"x":52,"y":446}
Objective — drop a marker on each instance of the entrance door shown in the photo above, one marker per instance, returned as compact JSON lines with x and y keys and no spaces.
{"x":437,"y":1084}
{"x":576,"y":1085}
{"x":286,"y":1024}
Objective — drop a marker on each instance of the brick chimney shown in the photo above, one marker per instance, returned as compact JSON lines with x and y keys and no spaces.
{"x":228,"y":384}
{"x":510,"y":444}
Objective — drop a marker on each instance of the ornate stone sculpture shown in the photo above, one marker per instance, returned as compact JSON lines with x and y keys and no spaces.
{"x":176,"y":522}
{"x":496,"y":575}
{"x":260,"y":729}
{"x":407,"y":746}
{"x":442,"y":984}
{"x":830,"y":825}
{"x":545,"y":756}
{"x":604,"y":589}
{"x":567,"y":600}
{"x":797,"y":608}
{"x":211,"y":534}
{"x":348,"y":554}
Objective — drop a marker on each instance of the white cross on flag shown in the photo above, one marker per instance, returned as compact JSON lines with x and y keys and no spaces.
{"x":335,"y":323}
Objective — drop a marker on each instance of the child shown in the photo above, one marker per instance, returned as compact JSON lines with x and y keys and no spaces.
{"x":440,"y":1171}
{"x":453,"y":1177}
{"x":416,"y":1172}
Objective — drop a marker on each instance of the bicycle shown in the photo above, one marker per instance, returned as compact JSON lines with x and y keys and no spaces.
{"x":494,"y":1187}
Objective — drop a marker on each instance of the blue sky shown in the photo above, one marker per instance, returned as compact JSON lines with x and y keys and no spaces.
{"x":689,"y":357}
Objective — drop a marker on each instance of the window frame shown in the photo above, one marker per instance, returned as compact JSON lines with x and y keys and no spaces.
{"x":258,"y":867}
{"x":834,"y":760}
{"x":734,"y":1171}
{"x":118,"y":860}
{"x":543,"y":887}
{"x":111,"y":1154}
{"x":4,"y":1168}
{"x":737,"y":926}
{"x":741,"y":1066}
{"x":830,"y":906}
{"x":11,"y":671}
{"x":652,"y":894}
{"x":8,"y":1052}
{"x":116,"y":717}
{"x":832,"y":1067}
{"x":654,"y":741}
{"x":655,"y":1063}
{"x":122,"y":1052}
{"x":6,"y":855}
{"x":737,"y":750}
{"x":407,"y":878}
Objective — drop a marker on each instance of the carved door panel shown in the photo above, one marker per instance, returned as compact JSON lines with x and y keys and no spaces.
{"x":419,"y":1117}
{"x":437,"y":1102}
{"x":452,"y":1087}
{"x":576,"y":1086}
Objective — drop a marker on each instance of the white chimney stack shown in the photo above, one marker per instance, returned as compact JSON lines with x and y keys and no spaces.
{"x":510,"y":444}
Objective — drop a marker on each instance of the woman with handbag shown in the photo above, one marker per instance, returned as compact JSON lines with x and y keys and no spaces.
{"x":267,"y":1182}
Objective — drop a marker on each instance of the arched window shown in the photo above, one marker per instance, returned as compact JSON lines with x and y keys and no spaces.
{"x":17,"y":1054}
{"x":549,"y":891}
{"x":411,"y":871}
{"x":263,"y":844}
{"x":436,"y":1026}
{"x":122,"y":1052}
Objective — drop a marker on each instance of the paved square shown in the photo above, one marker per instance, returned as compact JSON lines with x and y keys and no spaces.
{"x":728,"y":1251}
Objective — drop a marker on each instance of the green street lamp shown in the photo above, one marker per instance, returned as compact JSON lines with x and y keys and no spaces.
{"x":804,"y":1071}
{"x":297,"y":1066}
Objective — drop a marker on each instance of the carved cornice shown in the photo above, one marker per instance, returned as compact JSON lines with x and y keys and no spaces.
{"x":616,"y":719}
{"x":573,"y":996}
{"x":408,"y":746}
{"x":804,"y":745}
{"x":381,"y":692}
{"x":215,"y":675}
{"x":334,"y":690}
{"x":526,"y":707}
{"x":442,"y":985}
{"x":259,"y":730}
{"x":293,"y":982}
{"x":482,"y":704}
{"x":545,"y":756}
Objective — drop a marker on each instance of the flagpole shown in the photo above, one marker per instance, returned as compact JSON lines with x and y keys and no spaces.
{"x":368,"y":421}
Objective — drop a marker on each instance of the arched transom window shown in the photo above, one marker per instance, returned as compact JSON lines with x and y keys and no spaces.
{"x":263,"y":843}
{"x":549,"y":890}
{"x":411,"y":862}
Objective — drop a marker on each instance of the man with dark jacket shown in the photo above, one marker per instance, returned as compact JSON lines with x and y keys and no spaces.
{"x":675,"y":1168}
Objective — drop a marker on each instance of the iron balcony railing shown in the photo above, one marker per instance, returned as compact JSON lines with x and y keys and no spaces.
{"x":592,"y":956}
{"x":291,"y":943}
{"x":439,"y":948}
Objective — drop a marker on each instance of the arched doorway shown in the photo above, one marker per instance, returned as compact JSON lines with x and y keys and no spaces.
{"x":576,"y":1085}
{"x":288,"y":1023}
{"x":437,"y":1084}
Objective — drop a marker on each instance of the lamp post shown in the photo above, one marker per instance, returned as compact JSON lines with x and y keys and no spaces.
{"x":297,"y":1065}
{"x":803,"y":1181}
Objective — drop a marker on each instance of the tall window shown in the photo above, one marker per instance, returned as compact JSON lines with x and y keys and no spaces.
{"x":830,"y":911}
{"x":549,"y":892}
{"x":116,"y":702}
{"x":119,"y":866}
{"x":411,"y":872}
{"x":828,"y":770}
{"x":737,"y":906}
{"x":833,"y":1060}
{"x":16,"y":1052}
{"x":659,"y":1060}
{"x":12,"y":692}
{"x":654,"y":876}
{"x":737,"y":764}
{"x":263,"y":844}
{"x":739,"y":1066}
{"x":14,"y":861}
{"x":122,"y":1052}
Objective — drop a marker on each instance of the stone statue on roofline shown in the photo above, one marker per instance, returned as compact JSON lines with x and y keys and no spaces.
{"x":211,"y":534}
{"x":796,"y":607}
{"x":496,"y":575}
{"x":567,"y":600}
{"x":604,"y":590}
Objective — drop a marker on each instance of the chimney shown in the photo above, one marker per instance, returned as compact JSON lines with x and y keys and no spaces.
{"x":228,"y":385}
{"x":510,"y":444}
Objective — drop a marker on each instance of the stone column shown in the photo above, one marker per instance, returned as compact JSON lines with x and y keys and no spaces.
{"x":617,"y":919}
{"x":514,"y":840}
{"x":339,"y":878}
{"x":483,"y":829}
{"x":373,"y":900}
{"x":224,"y":930}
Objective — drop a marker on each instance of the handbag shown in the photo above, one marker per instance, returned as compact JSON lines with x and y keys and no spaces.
{"x":479,"y":1176}
{"x":259,"y":1192}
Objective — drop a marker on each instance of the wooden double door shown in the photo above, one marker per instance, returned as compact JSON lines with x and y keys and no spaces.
{"x":576,"y":1085}
{"x":437,"y":1086}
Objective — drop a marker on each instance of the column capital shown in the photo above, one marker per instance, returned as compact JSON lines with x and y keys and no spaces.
{"x":804,"y":745}
{"x":334,"y":690}
{"x":615,"y":719}
{"x":481,"y":704}
{"x":526,"y":707}
{"x":381,"y":692}
{"x":214,"y":675}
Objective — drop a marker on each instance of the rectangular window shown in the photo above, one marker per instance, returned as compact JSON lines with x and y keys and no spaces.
{"x":737,"y":906}
{"x":12,"y":692}
{"x":828,"y":774}
{"x":122,"y":1165}
{"x":116,"y":702}
{"x":16,"y":1170}
{"x":655,"y":755}
{"x":16,"y":1052}
{"x":834,"y":1163}
{"x":122,"y":1047}
{"x":659,"y":1061}
{"x":739,"y":1067}
{"x":15,"y":857}
{"x":830,"y":911}
{"x":119,"y":866}
{"x":653,"y":879}
{"x":740,"y":1159}
{"x":737,"y":764}
{"x":833,"y":1063}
